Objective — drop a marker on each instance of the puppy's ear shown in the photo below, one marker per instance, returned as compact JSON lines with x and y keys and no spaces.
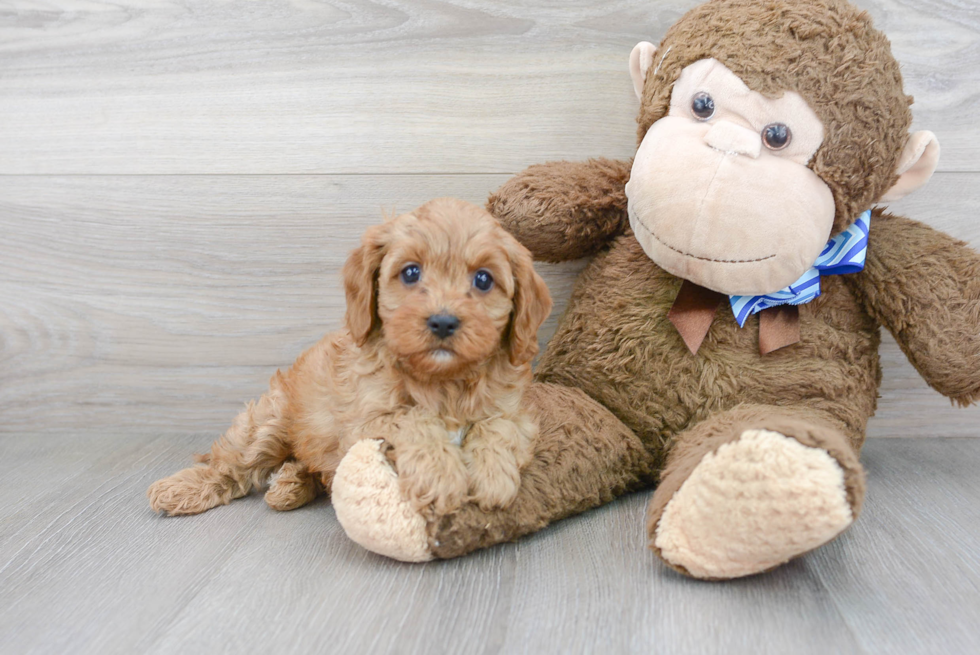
{"x":532,"y":304}
{"x":361,"y":282}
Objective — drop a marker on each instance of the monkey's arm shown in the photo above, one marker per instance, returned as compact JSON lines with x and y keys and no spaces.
{"x":564,"y":210}
{"x":924,"y":286}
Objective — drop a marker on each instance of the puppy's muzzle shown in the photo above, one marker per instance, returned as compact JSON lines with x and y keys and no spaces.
{"x":443,"y":325}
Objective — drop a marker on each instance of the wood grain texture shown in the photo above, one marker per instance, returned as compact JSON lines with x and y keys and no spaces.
{"x":904,"y":577}
{"x":366,"y":87}
{"x":92,"y":570}
{"x":166,"y":302}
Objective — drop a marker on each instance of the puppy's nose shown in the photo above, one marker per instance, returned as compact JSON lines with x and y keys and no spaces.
{"x":443,"y":325}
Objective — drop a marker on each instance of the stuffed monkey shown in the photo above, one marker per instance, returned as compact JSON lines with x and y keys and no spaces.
{"x":722,"y":344}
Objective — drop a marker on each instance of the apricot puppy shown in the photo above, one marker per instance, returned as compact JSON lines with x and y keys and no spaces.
{"x":443,"y":308}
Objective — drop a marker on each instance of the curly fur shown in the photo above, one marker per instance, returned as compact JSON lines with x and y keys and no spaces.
{"x":383,"y":378}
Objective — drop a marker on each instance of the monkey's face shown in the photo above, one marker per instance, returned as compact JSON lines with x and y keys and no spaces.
{"x":720,"y":192}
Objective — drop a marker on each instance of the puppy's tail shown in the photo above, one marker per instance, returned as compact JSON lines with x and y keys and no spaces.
{"x":253,"y":447}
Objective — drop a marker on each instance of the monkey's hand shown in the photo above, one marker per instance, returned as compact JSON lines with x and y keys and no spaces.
{"x":564,"y":210}
{"x":924,"y":286}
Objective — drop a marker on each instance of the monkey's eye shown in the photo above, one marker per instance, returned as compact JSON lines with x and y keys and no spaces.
{"x":482,"y":280}
{"x":702,"y":106}
{"x":776,"y":136}
{"x":411,"y":274}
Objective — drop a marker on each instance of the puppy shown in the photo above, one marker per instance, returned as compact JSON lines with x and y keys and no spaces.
{"x":443,"y":308}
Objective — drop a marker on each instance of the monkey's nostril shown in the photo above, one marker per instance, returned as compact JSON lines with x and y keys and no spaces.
{"x":443,"y":325}
{"x":734,"y":139}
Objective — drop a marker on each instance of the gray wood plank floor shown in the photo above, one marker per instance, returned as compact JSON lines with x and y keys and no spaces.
{"x":86,"y":567}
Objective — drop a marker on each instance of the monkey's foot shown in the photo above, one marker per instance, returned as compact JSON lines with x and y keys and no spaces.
{"x":371,"y":509}
{"x":751,"y":505}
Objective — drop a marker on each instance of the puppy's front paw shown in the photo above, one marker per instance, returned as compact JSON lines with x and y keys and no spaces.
{"x":494,"y":484}
{"x":495,"y":451}
{"x":432,"y":476}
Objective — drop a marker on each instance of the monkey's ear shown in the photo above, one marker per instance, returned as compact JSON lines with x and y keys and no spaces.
{"x":916,"y":165}
{"x":640,"y":61}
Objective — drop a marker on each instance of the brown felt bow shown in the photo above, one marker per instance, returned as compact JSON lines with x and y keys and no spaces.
{"x":695,"y":307}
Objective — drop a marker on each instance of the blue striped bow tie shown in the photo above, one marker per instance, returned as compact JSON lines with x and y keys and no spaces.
{"x":845,"y":253}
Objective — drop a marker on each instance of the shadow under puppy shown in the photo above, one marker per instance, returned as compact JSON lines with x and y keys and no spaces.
{"x":443,"y":308}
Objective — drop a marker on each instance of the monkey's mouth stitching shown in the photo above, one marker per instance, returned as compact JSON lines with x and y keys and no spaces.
{"x":637,"y":222}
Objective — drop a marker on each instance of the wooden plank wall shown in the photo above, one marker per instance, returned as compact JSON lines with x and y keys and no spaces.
{"x":180,"y":181}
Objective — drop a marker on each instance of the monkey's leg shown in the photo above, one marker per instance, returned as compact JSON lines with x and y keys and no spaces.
{"x":583,"y":457}
{"x":751,"y":488}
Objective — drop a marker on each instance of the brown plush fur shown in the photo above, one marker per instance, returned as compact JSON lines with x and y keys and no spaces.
{"x":825,"y":50}
{"x":583,"y":457}
{"x":924,"y":287}
{"x":385,"y":377}
{"x":811,"y":428}
{"x":585,"y":208}
{"x":615,"y":342}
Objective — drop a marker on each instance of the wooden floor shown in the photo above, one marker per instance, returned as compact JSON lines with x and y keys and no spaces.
{"x":180,"y":182}
{"x":86,"y":567}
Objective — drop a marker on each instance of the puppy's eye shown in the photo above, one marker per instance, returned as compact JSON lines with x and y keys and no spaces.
{"x":776,"y":136}
{"x":411,"y":274}
{"x":702,"y":106}
{"x":483,"y":280}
